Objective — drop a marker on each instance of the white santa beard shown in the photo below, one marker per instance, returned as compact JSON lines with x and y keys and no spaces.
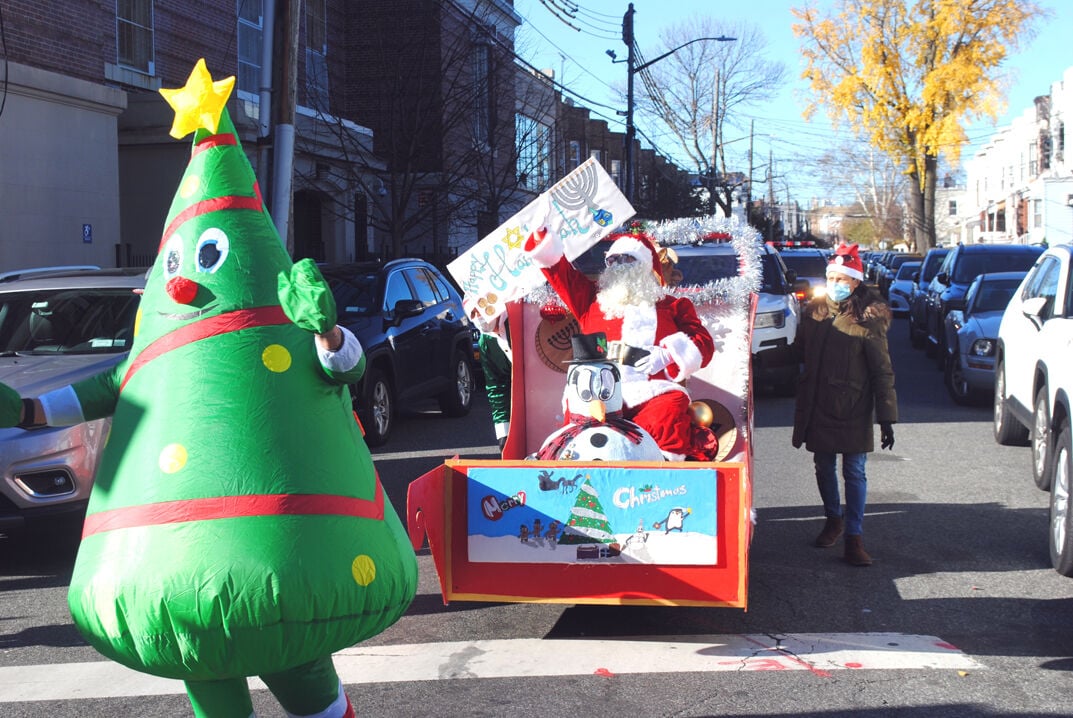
{"x":624,"y":287}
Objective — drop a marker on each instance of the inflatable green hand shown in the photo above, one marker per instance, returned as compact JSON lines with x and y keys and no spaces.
{"x":10,"y":406}
{"x":306,"y":298}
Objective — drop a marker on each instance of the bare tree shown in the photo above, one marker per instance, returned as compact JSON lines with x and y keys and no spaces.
{"x":878,"y":187}
{"x":696,"y":90}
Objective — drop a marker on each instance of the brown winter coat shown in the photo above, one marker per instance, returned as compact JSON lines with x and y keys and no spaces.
{"x":847,"y":381}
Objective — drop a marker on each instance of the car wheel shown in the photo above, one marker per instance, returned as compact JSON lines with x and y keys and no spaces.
{"x":378,"y":408}
{"x":1061,"y":538}
{"x":954,"y":378}
{"x":1041,"y":441}
{"x":1008,"y":431}
{"x":457,"y":400}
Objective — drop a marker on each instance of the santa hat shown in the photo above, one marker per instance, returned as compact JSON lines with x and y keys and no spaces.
{"x":846,"y":261}
{"x":640,"y":247}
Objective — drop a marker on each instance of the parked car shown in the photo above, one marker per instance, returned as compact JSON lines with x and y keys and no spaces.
{"x":777,"y":311}
{"x":963,"y":264}
{"x":1034,"y":384}
{"x":901,"y":288}
{"x":889,"y":271}
{"x":58,"y":327}
{"x":929,"y":266}
{"x":809,"y":265}
{"x":972,"y":335}
{"x":417,"y":339}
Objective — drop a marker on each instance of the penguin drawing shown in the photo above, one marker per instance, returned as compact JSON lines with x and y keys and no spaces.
{"x":675,"y":518}
{"x":596,"y":430}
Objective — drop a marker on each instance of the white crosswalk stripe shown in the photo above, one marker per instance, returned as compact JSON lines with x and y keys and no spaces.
{"x":820,"y":653}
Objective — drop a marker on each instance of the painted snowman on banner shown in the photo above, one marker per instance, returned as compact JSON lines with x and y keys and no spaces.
{"x":593,"y":404}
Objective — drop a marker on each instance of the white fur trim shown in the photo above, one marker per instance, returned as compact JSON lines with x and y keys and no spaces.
{"x":549,"y":251}
{"x":633,"y":247}
{"x":348,"y":355}
{"x":639,"y":325}
{"x":838,"y":267}
{"x":685,"y":353}
{"x":671,"y":456}
{"x":62,"y":407}
{"x":635,"y":393}
{"x":502,"y":429}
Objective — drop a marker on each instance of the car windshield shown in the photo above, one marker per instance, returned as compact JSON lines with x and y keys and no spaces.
{"x":811,"y":266}
{"x":930,"y":267}
{"x":355,"y":293}
{"x":993,"y":296}
{"x":906,"y":270}
{"x":67,"y":321}
{"x":974,"y":264}
{"x":699,"y":269}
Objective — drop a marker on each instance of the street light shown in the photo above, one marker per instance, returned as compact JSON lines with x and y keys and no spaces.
{"x":631,"y":70}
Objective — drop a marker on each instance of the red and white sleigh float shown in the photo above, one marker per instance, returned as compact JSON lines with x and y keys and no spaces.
{"x":605,"y":532}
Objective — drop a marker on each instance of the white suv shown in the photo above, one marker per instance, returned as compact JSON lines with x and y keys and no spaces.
{"x":1033,"y":383}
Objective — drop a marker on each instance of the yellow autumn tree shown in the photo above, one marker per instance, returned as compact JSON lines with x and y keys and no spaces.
{"x":909,"y":75}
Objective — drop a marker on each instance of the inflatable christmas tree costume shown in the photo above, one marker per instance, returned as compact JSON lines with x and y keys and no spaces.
{"x":237,"y":526}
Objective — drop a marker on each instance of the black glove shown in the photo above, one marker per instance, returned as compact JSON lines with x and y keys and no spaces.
{"x":886,"y":435}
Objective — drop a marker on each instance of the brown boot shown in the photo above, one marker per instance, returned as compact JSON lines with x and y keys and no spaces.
{"x":855,"y":553}
{"x":831,"y":531}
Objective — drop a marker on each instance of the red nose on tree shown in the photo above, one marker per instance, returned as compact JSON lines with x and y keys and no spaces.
{"x":181,"y":290}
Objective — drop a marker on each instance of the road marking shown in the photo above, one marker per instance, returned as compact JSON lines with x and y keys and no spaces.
{"x":820,"y":653}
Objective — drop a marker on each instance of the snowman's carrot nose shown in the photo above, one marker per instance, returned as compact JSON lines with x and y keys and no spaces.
{"x":181,"y":289}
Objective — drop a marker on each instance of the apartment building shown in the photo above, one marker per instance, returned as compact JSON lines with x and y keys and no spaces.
{"x":1019,"y":187}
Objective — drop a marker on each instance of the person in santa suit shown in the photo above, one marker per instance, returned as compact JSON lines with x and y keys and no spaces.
{"x":657,"y":338}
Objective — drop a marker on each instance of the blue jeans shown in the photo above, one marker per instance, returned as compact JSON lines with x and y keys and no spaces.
{"x":856,"y":487}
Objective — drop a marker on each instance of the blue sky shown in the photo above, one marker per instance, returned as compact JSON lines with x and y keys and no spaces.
{"x":580,"y":62}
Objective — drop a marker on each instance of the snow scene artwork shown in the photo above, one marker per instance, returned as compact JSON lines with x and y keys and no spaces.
{"x":586,"y":514}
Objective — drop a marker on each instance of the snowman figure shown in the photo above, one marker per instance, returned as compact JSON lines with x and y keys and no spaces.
{"x":596,"y":429}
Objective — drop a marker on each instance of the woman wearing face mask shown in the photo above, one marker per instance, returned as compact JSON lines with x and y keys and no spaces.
{"x":847,"y":384}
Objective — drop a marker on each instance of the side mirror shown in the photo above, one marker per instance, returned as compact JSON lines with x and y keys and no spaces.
{"x":916,"y":277}
{"x":1033,"y":308}
{"x":406,"y":308}
{"x":943,"y":278}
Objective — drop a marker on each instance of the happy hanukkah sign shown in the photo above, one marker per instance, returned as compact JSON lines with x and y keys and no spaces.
{"x":581,"y":208}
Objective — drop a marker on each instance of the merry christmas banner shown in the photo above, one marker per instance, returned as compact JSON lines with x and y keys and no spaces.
{"x":581,"y":208}
{"x":557,"y":514}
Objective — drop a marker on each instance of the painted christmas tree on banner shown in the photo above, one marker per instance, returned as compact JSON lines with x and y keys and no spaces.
{"x":588,"y":523}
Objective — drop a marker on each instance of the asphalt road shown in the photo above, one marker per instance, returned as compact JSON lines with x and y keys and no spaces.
{"x":956,"y":527}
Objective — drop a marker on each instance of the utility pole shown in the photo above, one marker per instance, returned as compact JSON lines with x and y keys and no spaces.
{"x":715,"y":141}
{"x":749,"y":186}
{"x":283,"y":156}
{"x":631,"y":58}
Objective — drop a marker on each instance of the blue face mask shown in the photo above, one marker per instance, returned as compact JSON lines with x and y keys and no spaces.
{"x":838,"y":291}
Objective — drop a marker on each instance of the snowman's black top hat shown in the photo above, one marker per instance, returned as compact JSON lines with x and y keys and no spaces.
{"x":588,"y":348}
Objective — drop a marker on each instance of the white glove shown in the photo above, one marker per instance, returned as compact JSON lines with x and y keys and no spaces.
{"x":655,"y":361}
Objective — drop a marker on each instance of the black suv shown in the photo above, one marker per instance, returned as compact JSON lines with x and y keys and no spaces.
{"x":417,"y":339}
{"x":929,"y":267}
{"x":963,"y":264}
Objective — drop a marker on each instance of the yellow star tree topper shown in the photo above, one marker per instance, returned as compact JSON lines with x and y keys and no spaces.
{"x":200,"y":103}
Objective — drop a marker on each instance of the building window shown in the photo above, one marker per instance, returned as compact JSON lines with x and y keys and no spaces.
{"x":575,"y":154}
{"x":134,"y":35}
{"x":952,"y":208}
{"x":1033,"y":160}
{"x":316,"y":55}
{"x":250,"y":35}
{"x":482,"y":95}
{"x":1000,"y":221}
{"x":597,"y":155}
{"x":1037,"y":213}
{"x":532,"y":143}
{"x":616,"y":172}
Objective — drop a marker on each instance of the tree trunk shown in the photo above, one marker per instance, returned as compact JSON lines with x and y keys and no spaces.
{"x":931,"y":165}
{"x":916,"y":214}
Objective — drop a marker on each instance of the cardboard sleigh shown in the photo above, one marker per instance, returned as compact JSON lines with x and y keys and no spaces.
{"x":603,"y":532}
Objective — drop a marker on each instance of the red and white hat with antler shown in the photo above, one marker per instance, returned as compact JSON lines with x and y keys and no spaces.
{"x":846,"y":261}
{"x":640,"y":247}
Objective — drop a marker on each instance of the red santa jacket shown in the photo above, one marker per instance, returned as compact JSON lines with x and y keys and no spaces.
{"x":672,"y":324}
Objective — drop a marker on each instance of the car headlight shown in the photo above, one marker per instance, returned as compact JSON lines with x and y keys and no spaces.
{"x":983,"y":348}
{"x":775,"y":320}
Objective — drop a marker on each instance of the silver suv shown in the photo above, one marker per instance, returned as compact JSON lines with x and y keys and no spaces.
{"x":57,"y":327}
